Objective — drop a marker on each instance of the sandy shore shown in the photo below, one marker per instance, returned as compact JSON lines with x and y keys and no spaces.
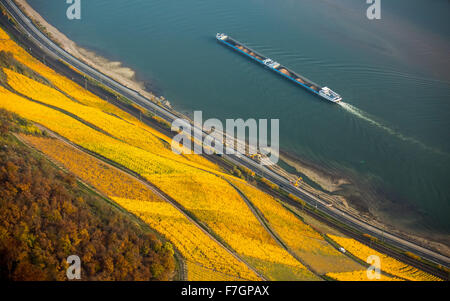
{"x":331,"y":185}
{"x":327,"y":182}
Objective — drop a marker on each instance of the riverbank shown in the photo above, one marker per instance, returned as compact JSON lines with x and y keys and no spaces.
{"x":72,"y":48}
{"x":346,"y":194}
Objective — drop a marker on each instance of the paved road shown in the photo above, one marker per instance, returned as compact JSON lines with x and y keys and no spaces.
{"x":53,"y":49}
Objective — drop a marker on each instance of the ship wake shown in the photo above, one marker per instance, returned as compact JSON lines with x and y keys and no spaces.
{"x":366,"y":117}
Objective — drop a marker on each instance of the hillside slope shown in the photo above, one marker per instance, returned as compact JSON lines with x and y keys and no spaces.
{"x":46,"y":216}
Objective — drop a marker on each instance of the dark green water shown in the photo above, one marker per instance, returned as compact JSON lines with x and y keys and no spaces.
{"x":391,"y":137}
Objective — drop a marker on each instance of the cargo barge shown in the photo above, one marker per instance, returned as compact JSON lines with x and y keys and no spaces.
{"x":323,"y":92}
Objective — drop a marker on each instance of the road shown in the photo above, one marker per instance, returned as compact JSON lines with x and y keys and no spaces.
{"x":54,"y":50}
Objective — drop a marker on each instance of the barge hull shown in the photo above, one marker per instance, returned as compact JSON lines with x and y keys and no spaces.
{"x":278,"y":68}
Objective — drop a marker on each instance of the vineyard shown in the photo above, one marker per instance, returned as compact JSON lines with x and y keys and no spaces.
{"x":163,"y":217}
{"x":308,"y":244}
{"x":105,"y":138}
{"x":388,"y":264}
{"x":135,"y":197}
{"x":222,"y":209}
{"x":359,"y":276}
{"x":197,"y":272}
{"x":45,"y":216}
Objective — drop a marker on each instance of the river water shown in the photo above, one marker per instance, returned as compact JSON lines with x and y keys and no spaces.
{"x":390,"y":137}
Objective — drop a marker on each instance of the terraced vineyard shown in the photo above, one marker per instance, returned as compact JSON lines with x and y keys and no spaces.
{"x":305,"y":242}
{"x":229,"y":217}
{"x":359,"y":276}
{"x":194,"y":245}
